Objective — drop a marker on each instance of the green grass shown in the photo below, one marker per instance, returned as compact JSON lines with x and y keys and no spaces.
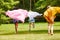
{"x":7,"y":32}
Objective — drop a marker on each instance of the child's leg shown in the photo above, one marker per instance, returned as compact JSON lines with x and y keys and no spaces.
{"x":29,"y":26}
{"x":49,"y":31}
{"x":52,"y":25}
{"x":48,"y":19}
{"x":33,"y":24}
{"x":16,"y":26}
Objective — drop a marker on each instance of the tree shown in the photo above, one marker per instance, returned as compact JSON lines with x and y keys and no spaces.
{"x":42,"y":4}
{"x":4,"y":6}
{"x":7,"y":4}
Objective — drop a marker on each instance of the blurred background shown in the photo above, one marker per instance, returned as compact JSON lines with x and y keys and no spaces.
{"x":34,"y":5}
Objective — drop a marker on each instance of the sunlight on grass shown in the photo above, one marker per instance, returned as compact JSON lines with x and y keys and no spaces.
{"x":7,"y":32}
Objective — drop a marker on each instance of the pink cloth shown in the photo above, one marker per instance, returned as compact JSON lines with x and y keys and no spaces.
{"x":19,"y":14}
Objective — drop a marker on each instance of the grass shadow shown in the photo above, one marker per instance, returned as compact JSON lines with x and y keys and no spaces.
{"x":30,"y":32}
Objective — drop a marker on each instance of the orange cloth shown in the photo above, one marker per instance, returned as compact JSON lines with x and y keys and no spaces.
{"x":49,"y":14}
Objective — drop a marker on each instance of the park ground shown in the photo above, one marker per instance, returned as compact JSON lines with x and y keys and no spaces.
{"x":7,"y":32}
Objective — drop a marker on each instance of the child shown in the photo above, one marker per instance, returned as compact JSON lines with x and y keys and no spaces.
{"x":31,"y":22}
{"x":16,"y":24}
{"x":49,"y":15}
{"x":31,"y":16}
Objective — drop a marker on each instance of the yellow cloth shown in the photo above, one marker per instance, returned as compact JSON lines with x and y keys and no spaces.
{"x":50,"y":13}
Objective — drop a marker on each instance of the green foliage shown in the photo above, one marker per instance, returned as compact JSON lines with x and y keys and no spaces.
{"x":38,"y":5}
{"x":41,"y":4}
{"x":8,"y":4}
{"x":4,"y":6}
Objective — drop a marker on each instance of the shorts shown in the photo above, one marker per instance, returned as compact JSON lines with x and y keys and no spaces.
{"x":32,"y":20}
{"x":16,"y":24}
{"x":14,"y":21}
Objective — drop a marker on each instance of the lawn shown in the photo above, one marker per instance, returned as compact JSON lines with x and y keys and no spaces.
{"x":7,"y":32}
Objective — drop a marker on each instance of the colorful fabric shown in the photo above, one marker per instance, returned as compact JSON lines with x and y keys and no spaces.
{"x":19,"y":14}
{"x":49,"y":14}
{"x":32,"y":14}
